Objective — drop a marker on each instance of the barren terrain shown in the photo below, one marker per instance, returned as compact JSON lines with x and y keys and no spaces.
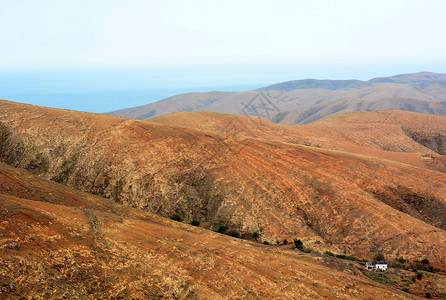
{"x":244,"y":176}
{"x":57,"y":242}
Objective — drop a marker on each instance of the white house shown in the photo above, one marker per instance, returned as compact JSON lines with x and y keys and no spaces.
{"x":380,"y":266}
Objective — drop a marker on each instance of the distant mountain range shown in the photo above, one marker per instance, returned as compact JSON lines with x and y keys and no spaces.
{"x":305,"y":101}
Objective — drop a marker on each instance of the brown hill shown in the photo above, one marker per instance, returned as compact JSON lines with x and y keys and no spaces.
{"x":305,"y":101}
{"x":405,"y":137}
{"x":57,"y":242}
{"x":250,"y":182}
{"x":411,"y":79}
{"x":397,"y":131}
{"x":312,"y":113}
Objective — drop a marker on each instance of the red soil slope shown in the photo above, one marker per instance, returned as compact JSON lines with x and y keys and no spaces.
{"x":56,"y":242}
{"x":402,"y":136}
{"x":245,"y":177}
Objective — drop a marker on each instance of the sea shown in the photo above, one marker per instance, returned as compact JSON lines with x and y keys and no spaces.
{"x":103,"y":101}
{"x":102,"y":91}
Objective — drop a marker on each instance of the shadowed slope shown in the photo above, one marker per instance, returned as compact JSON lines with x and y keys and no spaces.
{"x":246,"y":182}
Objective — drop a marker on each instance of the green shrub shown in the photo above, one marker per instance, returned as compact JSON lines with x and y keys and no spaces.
{"x":195,"y":223}
{"x":265,"y":242}
{"x":423,"y":267}
{"x":402,"y":260}
{"x":348,"y":257}
{"x":176,"y":217}
{"x":222,"y":229}
{"x":299,"y":244}
{"x":329,"y":253}
{"x":406,"y":290}
{"x":425,"y":261}
{"x":379,"y":257}
{"x":405,"y":282}
{"x":234,"y":233}
{"x":379,"y":278}
{"x":255,"y":235}
{"x":428,"y":295}
{"x":397,"y":265}
{"x":417,"y":267}
{"x":419,"y":276}
{"x":285,"y":242}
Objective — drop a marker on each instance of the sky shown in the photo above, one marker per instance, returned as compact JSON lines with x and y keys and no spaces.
{"x":105,"y":46}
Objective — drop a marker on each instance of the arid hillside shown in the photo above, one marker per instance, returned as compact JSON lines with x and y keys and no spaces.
{"x":393,"y":131}
{"x":410,"y":138}
{"x":305,"y":101}
{"x":250,"y":182}
{"x":312,"y":113}
{"x":56,"y":242}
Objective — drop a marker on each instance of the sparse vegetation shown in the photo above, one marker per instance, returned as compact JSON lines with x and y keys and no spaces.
{"x":341,"y":256}
{"x":406,"y":290}
{"x":428,"y":295}
{"x":195,"y":223}
{"x":176,"y":217}
{"x":403,"y":263}
{"x":221,"y":229}
{"x":285,"y":242}
{"x":379,"y":257}
{"x":329,"y":253}
{"x":347,"y":257}
{"x":405,"y":282}
{"x":419,"y":276}
{"x":265,"y":242}
{"x":234,"y":233}
{"x":255,"y":235}
{"x":379,"y":278}
{"x":299,"y":244}
{"x":423,"y":267}
{"x":399,"y":266}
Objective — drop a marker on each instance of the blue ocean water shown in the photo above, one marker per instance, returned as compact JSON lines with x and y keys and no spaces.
{"x":101,"y":91}
{"x":104,"y":90}
{"x":102,"y":101}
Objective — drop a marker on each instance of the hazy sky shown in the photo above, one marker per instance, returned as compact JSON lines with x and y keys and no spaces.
{"x":151,"y":44}
{"x":146,"y":33}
